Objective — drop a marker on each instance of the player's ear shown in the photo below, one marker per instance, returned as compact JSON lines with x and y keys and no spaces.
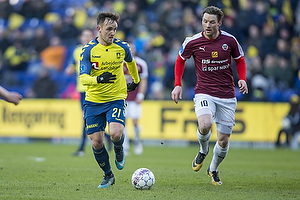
{"x":220,"y":22}
{"x":98,"y":28}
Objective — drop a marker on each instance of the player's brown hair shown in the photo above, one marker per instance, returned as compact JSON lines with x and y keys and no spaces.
{"x":212,"y":10}
{"x":103,"y":15}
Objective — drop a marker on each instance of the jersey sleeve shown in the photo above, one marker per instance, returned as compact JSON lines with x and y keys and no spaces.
{"x":85,"y":68}
{"x":133,"y":71}
{"x":128,"y":54}
{"x":237,"y":51}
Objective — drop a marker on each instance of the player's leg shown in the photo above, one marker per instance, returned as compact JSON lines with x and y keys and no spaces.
{"x":128,"y":113}
{"x":102,"y":158}
{"x":219,"y":153}
{"x":80,"y":151}
{"x":224,"y":118}
{"x":116,"y":123}
{"x":116,"y":131}
{"x":138,"y":146}
{"x":204,"y":108}
{"x":95,"y":120}
{"x":126,"y":144}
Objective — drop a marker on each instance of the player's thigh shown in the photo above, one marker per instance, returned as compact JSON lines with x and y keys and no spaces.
{"x":204,"y":105}
{"x":225,"y":111}
{"x":133,"y":110}
{"x":95,"y":123}
{"x":116,"y":118}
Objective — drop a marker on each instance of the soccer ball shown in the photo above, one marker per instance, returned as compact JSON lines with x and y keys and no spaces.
{"x":143,"y":179}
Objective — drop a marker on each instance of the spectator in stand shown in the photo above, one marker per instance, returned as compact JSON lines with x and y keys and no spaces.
{"x":5,"y":9}
{"x":129,"y":18}
{"x":41,"y":40}
{"x":284,"y":74}
{"x":16,"y":57}
{"x":260,"y":16}
{"x":244,"y":21}
{"x":34,"y":9}
{"x":53,"y":56}
{"x":283,"y":49}
{"x":254,"y":37}
{"x":295,"y":54}
{"x":4,"y":41}
{"x":269,"y":68}
{"x":68,"y":32}
{"x":268,"y":41}
{"x":43,"y":86}
{"x":257,"y":82}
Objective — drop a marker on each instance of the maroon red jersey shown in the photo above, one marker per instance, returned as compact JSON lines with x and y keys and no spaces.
{"x":143,"y":73}
{"x":213,"y":62}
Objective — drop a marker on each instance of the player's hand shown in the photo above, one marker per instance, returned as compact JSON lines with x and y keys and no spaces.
{"x":14,"y":97}
{"x":132,"y":86}
{"x":106,"y":77}
{"x":243,"y":86}
{"x":177,"y":92}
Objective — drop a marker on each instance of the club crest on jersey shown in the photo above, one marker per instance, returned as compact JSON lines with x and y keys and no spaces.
{"x":214,"y":54}
{"x":95,"y":65}
{"x":224,"y":47}
{"x":118,"y":55}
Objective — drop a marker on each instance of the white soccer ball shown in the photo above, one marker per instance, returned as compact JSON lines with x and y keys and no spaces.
{"x":143,"y":179}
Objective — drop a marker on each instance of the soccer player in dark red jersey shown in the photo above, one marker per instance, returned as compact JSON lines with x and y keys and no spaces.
{"x":134,"y":100}
{"x":215,"y":101}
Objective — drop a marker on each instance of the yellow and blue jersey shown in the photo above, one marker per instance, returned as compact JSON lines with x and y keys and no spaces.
{"x":76,"y":64}
{"x":96,"y":59}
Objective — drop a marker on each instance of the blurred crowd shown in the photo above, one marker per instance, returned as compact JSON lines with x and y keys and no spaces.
{"x":37,"y":38}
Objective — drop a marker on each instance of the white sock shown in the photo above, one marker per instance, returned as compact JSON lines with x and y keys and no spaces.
{"x":126,"y":144}
{"x":203,"y":141}
{"x":219,"y":155}
{"x":137,"y":131}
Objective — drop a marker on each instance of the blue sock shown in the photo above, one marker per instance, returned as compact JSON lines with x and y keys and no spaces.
{"x":119,"y":143}
{"x":83,"y":139}
{"x":102,"y":159}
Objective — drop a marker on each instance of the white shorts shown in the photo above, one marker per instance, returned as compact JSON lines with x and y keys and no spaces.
{"x":222,"y":110}
{"x":133,"y":110}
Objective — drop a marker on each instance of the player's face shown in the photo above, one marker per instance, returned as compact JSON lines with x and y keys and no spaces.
{"x":107,"y":31}
{"x":86,"y":36}
{"x":210,"y":26}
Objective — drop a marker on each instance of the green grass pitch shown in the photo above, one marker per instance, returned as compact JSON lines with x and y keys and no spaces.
{"x":46,"y":171}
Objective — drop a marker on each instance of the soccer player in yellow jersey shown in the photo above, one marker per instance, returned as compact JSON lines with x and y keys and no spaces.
{"x":101,"y":70}
{"x":73,"y":67}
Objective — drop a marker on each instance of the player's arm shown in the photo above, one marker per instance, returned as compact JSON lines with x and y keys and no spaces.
{"x":11,"y":97}
{"x":142,"y":89}
{"x":71,"y":68}
{"x":132,"y":68}
{"x":241,"y":69}
{"x":179,"y":69}
{"x":85,"y":69}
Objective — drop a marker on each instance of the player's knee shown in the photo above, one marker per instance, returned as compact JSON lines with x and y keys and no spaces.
{"x":205,"y":123}
{"x":116,"y":135}
{"x":97,"y":144}
{"x":223,"y":143}
{"x":204,"y":128}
